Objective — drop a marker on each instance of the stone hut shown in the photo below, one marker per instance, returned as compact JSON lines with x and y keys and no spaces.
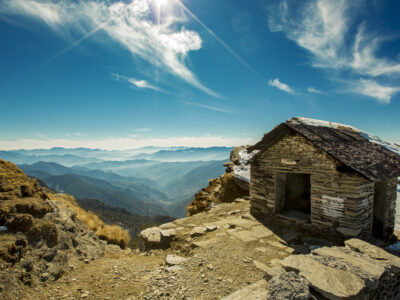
{"x":325,"y":177}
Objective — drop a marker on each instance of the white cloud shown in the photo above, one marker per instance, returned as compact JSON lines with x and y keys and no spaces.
{"x":164,"y":44}
{"x":143,"y":84}
{"x":325,"y":28}
{"x":127,"y":142}
{"x":47,"y":13}
{"x":314,"y":90}
{"x":209,"y":107}
{"x":280,"y":85}
{"x":373,"y":89}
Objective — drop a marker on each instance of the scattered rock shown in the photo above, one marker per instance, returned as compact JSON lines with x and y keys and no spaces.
{"x":85,"y":294}
{"x":198,"y":231}
{"x":173,"y":260}
{"x":211,"y":228}
{"x":154,"y":237}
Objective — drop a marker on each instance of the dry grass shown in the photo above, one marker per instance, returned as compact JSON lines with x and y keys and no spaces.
{"x":34,"y":206}
{"x":15,"y":184}
{"x":111,"y":233}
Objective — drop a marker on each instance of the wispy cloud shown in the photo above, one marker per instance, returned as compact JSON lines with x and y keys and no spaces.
{"x":280,"y":85}
{"x":314,"y":90}
{"x":209,"y":107}
{"x":325,"y":28}
{"x":164,"y":45}
{"x":132,"y":142}
{"x":143,"y":84}
{"x":373,"y":89}
{"x":138,"y":83}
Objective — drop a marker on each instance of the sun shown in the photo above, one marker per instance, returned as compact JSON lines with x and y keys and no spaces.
{"x":160,"y":2}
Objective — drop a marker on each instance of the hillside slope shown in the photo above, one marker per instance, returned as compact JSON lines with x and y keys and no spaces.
{"x":38,"y":236}
{"x":87,"y":187}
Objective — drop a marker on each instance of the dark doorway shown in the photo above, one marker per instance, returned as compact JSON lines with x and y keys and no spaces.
{"x":378,"y":228}
{"x":293,"y":195}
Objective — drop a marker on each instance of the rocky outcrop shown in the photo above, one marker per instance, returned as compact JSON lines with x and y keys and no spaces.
{"x":231,"y":185}
{"x":40,"y":239}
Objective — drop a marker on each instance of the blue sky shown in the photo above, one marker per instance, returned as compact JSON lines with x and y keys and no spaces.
{"x":126,"y":74}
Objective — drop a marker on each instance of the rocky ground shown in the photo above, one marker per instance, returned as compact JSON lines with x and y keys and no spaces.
{"x":212,"y":255}
{"x":226,"y":253}
{"x":221,"y":253}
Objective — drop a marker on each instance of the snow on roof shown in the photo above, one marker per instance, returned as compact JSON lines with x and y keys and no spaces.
{"x":242,"y":171}
{"x":374,"y":139}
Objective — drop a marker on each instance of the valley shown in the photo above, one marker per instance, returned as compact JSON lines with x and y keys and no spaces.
{"x":148,"y":181}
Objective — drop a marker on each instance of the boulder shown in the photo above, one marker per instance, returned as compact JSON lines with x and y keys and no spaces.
{"x":332,"y":283}
{"x":154,"y":237}
{"x":370,"y":271}
{"x":374,"y":252}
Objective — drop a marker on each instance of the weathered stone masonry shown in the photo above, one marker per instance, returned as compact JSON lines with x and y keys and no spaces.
{"x":341,"y":200}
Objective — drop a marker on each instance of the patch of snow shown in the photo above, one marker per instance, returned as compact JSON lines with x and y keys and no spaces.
{"x":395,"y":246}
{"x":3,"y":228}
{"x":377,"y":140}
{"x":315,"y":122}
{"x":242,"y":171}
{"x":374,"y":139}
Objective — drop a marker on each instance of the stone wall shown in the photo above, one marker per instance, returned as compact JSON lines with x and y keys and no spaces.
{"x":341,"y":202}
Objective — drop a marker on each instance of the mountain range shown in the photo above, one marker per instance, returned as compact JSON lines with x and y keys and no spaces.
{"x":142,"y":186}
